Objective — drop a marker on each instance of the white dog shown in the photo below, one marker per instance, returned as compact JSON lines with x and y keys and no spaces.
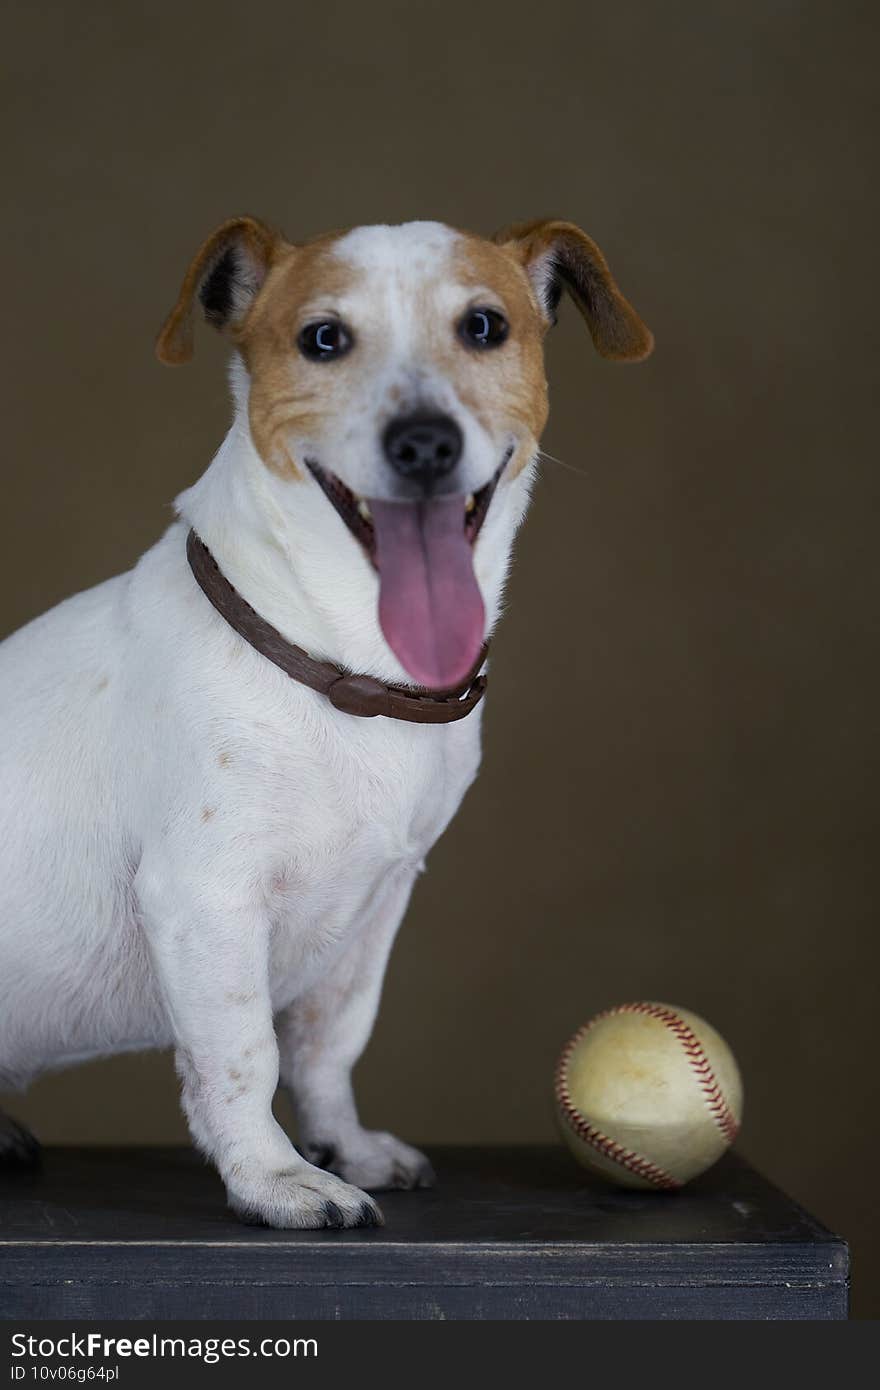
{"x":205,"y":842}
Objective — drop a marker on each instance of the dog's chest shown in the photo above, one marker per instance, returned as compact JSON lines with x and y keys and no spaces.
{"x":360,"y":814}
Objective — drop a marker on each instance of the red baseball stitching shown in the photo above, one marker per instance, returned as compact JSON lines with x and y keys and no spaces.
{"x":627,"y":1158}
{"x":712,"y":1093}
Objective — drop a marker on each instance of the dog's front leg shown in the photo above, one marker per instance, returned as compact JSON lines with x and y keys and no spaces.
{"x":210,"y":956}
{"x":322,"y":1035}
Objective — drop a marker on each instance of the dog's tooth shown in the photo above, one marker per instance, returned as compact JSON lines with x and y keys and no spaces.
{"x":364,"y":509}
{"x":470,"y":502}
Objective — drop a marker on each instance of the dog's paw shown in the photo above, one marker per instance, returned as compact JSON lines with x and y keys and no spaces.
{"x":373,"y":1160}
{"x":302,"y":1198}
{"x":18,"y":1148}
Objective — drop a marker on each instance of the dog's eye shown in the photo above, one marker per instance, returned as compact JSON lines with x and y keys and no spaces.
{"x":322,"y":341}
{"x":483,"y":328}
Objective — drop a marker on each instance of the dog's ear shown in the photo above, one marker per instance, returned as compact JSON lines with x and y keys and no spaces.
{"x":557,"y":256}
{"x":225,"y":274}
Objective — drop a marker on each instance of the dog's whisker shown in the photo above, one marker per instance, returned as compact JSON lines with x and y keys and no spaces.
{"x":551,"y":458}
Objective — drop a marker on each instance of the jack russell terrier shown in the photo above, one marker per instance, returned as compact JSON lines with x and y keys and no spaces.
{"x":221,"y":772}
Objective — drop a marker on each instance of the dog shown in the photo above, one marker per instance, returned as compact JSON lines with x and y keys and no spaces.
{"x":221,"y":772}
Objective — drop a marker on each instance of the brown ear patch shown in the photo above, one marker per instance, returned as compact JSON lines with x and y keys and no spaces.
{"x":558,"y":255}
{"x":226,"y":274}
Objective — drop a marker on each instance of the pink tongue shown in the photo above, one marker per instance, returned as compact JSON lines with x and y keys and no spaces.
{"x":430,"y":606}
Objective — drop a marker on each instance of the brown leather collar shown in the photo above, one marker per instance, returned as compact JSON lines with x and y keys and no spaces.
{"x":353,"y":694}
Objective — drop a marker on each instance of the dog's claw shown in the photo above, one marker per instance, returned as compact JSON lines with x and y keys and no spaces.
{"x":334,"y":1218}
{"x":370,"y":1215}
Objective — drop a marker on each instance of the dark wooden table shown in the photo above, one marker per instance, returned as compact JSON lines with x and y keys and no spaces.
{"x":507,"y":1233}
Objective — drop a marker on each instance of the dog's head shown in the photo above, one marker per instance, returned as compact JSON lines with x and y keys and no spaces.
{"x":400,"y":370}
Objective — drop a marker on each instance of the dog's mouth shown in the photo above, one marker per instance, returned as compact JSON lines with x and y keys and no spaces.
{"x":430,"y":606}
{"x":357,"y":512}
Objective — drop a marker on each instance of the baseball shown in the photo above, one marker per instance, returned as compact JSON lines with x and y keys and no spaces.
{"x":648,"y":1095}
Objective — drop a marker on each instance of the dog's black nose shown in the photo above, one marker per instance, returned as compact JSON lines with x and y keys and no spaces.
{"x":423,"y":447}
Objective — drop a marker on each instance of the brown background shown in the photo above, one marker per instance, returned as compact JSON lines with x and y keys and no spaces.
{"x":682,"y":805}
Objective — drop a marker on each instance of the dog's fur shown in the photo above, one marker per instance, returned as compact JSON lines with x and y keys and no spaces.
{"x":196,"y":851}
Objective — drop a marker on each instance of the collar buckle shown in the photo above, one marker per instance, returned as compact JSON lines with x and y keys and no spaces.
{"x":361,"y":695}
